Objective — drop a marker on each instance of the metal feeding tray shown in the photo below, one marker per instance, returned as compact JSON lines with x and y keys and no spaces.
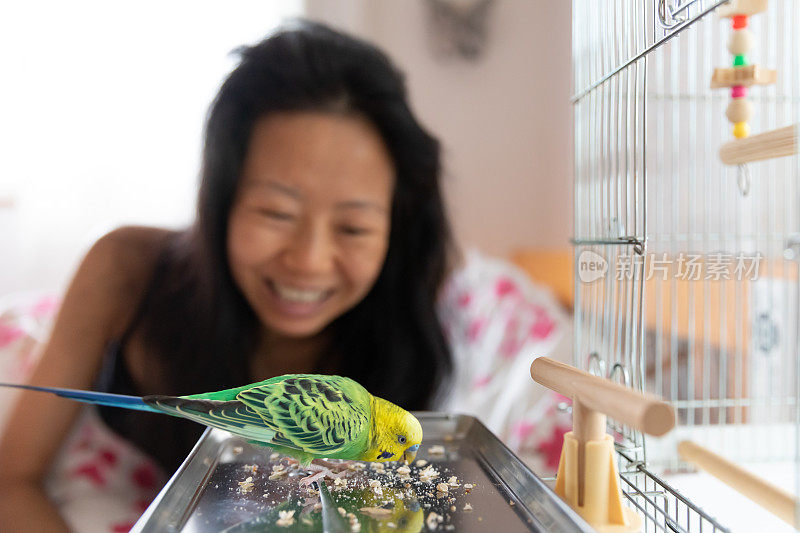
{"x":210,"y":492}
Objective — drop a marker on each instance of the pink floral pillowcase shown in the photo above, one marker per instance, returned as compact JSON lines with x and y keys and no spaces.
{"x":99,"y":482}
{"x":497,"y":322}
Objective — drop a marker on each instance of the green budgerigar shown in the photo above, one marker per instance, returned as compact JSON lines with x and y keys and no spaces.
{"x":306,"y":416}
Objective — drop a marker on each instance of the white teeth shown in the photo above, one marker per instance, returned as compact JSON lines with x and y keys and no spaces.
{"x":298,"y":295}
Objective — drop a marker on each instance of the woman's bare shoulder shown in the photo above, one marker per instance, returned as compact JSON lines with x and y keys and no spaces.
{"x":128,"y":242}
{"x":119,"y":266}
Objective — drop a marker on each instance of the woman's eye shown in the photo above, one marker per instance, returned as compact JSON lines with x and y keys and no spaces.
{"x":277,"y":215}
{"x":353,"y":230}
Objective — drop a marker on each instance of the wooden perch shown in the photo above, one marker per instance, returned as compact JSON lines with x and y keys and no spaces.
{"x":587,"y":476}
{"x":768,"y":145}
{"x":645,"y":412}
{"x":775,"y":500}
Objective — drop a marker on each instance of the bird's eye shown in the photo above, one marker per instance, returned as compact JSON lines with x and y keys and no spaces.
{"x":401,"y":439}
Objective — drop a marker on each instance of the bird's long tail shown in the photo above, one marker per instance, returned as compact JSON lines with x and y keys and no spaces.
{"x":99,"y":398}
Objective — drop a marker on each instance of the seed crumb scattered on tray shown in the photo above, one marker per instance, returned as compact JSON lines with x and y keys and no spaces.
{"x":237,"y":450}
{"x":285,"y":518}
{"x":421,"y":462}
{"x":442,"y":488}
{"x":246,"y":485}
{"x":376,"y":512}
{"x":436,"y":449}
{"x":278,"y":471}
{"x":375,"y":485}
{"x":355,"y":525}
{"x":433,"y":520}
{"x":428,"y":474}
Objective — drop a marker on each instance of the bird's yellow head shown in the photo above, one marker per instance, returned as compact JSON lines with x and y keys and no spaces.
{"x":396,"y":435}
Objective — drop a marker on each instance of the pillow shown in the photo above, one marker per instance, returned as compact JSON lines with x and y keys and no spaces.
{"x":98,"y":481}
{"x":497,"y":321}
{"x":25,"y":323}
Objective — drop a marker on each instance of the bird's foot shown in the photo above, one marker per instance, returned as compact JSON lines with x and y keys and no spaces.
{"x":308,"y":480}
{"x":322,"y":469}
{"x":330,"y":465}
{"x":336,"y":467}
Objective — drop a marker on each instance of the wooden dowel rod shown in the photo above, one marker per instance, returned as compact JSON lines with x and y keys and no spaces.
{"x":587,"y":425}
{"x":644,"y":412}
{"x":775,"y":500}
{"x":768,"y":145}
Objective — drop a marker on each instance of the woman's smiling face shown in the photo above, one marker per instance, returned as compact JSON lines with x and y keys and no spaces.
{"x":309,"y":227}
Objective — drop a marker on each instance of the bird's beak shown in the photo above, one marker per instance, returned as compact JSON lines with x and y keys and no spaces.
{"x":411,"y":453}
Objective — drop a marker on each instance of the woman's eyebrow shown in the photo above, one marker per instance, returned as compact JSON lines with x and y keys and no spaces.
{"x":276,"y":186}
{"x":361,"y":204}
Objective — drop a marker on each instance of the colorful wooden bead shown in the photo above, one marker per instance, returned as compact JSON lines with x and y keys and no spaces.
{"x":738,"y":91}
{"x":739,"y":21}
{"x":740,"y":42}
{"x":741,"y":130}
{"x":739,"y":110}
{"x":739,"y":60}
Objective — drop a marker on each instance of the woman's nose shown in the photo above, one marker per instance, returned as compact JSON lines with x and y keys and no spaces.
{"x":310,"y":251}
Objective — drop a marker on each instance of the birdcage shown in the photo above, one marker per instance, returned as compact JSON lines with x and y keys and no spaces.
{"x":686,"y":279}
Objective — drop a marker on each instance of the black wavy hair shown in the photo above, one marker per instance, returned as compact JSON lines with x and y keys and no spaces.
{"x":391,"y":342}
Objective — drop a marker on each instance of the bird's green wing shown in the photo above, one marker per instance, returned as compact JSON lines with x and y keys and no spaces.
{"x":322,"y":415}
{"x":233,"y":416}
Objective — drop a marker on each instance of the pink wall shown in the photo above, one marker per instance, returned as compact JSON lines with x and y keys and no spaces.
{"x":505,"y":120}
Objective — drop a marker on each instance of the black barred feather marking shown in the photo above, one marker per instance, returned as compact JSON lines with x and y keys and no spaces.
{"x":332,"y":396}
{"x":291,"y":389}
{"x":305,"y":384}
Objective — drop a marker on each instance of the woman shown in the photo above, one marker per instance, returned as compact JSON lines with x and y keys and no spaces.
{"x":319,"y":246}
